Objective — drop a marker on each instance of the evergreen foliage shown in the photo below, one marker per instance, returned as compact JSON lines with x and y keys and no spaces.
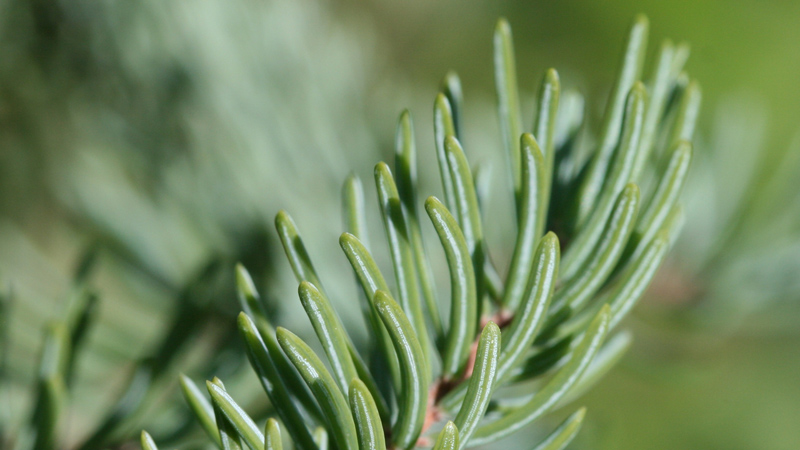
{"x":610,"y":207}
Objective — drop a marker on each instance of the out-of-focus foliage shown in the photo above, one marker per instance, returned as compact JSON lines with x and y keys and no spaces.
{"x":115,"y":90}
{"x":162,"y":136}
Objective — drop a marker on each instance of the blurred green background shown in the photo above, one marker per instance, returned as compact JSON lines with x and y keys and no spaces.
{"x":166,"y":135}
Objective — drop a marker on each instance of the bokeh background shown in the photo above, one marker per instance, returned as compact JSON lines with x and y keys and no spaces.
{"x":159,"y":139}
